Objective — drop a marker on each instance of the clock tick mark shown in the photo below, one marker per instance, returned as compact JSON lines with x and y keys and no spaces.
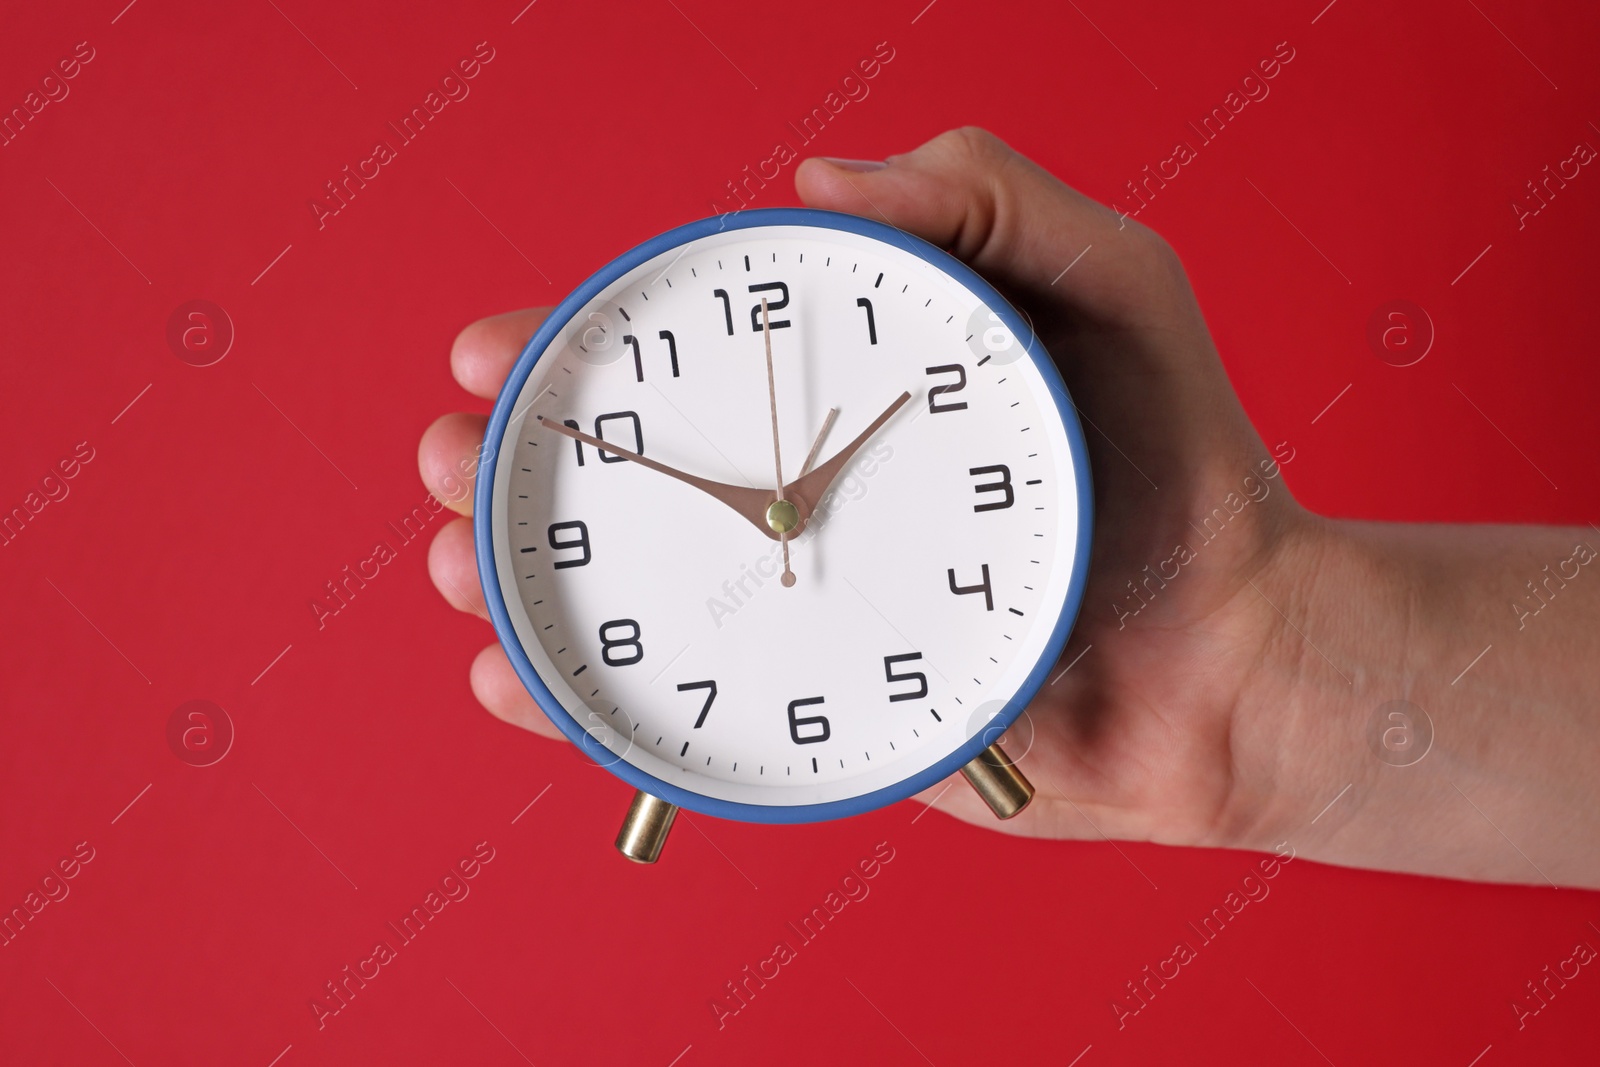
{"x":580,"y":670}
{"x":984,"y":360}
{"x":904,"y":287}
{"x":1014,"y":611}
{"x":814,"y":765}
{"x":644,"y":294}
{"x":624,"y":313}
{"x":879,"y":281}
{"x":693,"y":272}
{"x":1034,"y":481}
{"x":668,"y":281}
{"x":525,"y":551}
{"x":684,"y":749}
{"x":929,"y":301}
{"x":853,"y":267}
{"x":935,"y":715}
{"x":746,"y":262}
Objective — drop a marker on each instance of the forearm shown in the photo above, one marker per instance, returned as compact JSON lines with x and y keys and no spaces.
{"x":1491,"y":635}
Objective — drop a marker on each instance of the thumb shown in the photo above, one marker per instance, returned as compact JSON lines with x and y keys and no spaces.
{"x":1015,"y":223}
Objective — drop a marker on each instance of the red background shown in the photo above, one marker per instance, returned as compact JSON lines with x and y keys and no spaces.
{"x":189,"y":550}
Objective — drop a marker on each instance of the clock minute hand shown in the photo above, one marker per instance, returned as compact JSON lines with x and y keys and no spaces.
{"x":775,"y":516}
{"x":805,"y":492}
{"x":749,"y":503}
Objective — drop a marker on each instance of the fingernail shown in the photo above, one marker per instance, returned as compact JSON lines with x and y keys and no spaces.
{"x":861,"y":165}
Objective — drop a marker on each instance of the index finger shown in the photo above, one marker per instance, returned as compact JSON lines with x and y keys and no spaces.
{"x":484,"y":352}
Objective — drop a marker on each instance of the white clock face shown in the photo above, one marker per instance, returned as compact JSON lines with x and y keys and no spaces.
{"x":928,"y":581}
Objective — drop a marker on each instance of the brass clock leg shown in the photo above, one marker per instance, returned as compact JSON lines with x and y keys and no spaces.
{"x":998,"y":782}
{"x":645,"y":829}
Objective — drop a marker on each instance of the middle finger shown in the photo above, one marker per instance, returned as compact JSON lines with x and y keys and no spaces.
{"x":448,"y":458}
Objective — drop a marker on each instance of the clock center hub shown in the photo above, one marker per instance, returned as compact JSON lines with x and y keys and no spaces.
{"x":782,"y":516}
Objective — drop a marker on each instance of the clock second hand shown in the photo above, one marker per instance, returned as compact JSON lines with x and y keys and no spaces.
{"x":782,"y":516}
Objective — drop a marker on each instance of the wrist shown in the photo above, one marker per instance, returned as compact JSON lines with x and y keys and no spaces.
{"x":1400,"y":719}
{"x":1298,"y":737}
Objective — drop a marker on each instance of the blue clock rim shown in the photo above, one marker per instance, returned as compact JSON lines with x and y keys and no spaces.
{"x":483,"y":534}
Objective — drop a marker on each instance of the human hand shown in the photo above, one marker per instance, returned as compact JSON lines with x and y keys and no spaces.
{"x":1188,"y":708}
{"x":1232,"y":665}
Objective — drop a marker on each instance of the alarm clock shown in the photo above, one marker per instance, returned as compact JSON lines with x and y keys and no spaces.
{"x":783,"y":516}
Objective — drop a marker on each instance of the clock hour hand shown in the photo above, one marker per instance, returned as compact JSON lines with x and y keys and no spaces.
{"x":750,"y":503}
{"x":805,"y":492}
{"x":816,"y":446}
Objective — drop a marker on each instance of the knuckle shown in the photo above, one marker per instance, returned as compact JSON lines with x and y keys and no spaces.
{"x":974,"y":144}
{"x":1157,"y":254}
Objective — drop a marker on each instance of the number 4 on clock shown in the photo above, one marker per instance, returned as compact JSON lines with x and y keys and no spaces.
{"x":982,"y":587}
